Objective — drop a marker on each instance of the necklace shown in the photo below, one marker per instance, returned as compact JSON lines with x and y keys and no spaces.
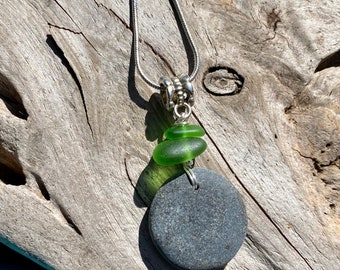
{"x":197,"y":219}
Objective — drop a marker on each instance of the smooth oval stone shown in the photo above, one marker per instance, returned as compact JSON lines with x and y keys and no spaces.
{"x":183,"y":131}
{"x":178,"y":151}
{"x":198,"y":229}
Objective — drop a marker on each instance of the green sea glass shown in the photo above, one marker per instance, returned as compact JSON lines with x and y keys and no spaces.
{"x":184,"y":131}
{"x":177,"y":151}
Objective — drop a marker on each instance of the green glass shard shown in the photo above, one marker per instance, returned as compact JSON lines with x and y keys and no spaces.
{"x":171,"y":152}
{"x":184,"y":131}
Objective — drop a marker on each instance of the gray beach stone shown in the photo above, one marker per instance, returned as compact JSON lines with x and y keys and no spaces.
{"x":198,"y":229}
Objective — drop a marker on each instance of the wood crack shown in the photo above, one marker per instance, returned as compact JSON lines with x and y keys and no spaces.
{"x":9,"y":176}
{"x":63,"y":212}
{"x":59,"y":52}
{"x":11,"y":98}
{"x":317,"y":164}
{"x":113,"y":14}
{"x":64,"y":10}
{"x":74,"y":32}
{"x":17,"y":109}
{"x":41,"y":186}
{"x":266,"y":39}
{"x":332,"y":60}
{"x":68,"y":218}
{"x":212,"y":44}
{"x":262,"y":250}
{"x":11,"y":171}
{"x":127,"y":173}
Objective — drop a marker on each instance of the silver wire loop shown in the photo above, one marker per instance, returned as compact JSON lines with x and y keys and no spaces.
{"x":182,"y":112}
{"x":135,"y":26}
{"x":191,"y":176}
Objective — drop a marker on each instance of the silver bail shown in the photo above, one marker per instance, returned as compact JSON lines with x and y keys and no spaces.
{"x":177,"y":95}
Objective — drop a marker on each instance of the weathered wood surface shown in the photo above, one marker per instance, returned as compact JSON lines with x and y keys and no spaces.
{"x":76,"y":131}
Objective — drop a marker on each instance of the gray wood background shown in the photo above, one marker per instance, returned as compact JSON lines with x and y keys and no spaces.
{"x":77,"y":131}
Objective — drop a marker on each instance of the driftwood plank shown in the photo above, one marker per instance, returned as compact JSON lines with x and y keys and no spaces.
{"x":77,"y":130}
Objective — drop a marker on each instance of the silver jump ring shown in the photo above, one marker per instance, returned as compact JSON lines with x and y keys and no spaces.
{"x":182,"y":116}
{"x":191,"y":176}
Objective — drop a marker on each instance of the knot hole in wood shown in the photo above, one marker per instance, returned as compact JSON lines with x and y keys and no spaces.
{"x":223,"y":81}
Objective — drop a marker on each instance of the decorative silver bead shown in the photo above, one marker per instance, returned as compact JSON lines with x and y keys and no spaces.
{"x":176,"y":91}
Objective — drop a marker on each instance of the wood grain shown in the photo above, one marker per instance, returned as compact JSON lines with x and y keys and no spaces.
{"x":77,"y":128}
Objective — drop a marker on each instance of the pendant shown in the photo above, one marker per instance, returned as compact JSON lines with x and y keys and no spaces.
{"x":197,"y":220}
{"x":199,"y":228}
